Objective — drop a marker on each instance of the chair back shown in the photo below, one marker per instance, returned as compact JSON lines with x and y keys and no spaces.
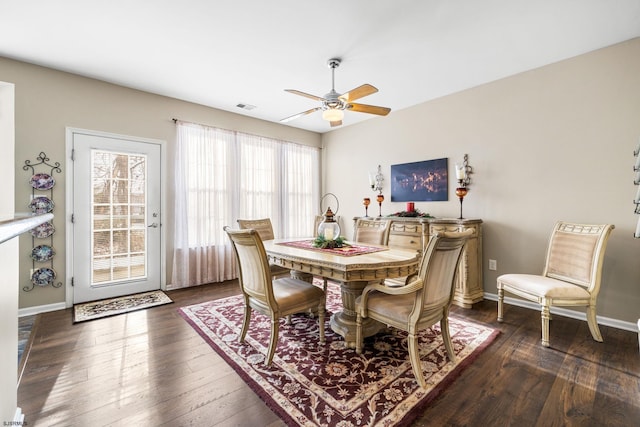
{"x":438,"y":268}
{"x":371,"y":231}
{"x":263,"y":226}
{"x":576,"y":253}
{"x":254,"y":274}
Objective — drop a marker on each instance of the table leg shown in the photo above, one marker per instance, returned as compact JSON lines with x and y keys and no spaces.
{"x":344,"y":322}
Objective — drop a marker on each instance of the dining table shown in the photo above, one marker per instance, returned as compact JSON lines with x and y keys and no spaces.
{"x":353,"y":268}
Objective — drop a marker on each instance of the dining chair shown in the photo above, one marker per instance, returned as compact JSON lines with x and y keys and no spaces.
{"x":264,"y":228}
{"x":571,"y":275}
{"x":276,"y":298}
{"x":371,"y":231}
{"x":422,"y":301}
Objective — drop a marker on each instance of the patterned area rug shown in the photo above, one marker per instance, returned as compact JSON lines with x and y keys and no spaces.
{"x":310,"y":384}
{"x":113,"y":306}
{"x":347,"y":250}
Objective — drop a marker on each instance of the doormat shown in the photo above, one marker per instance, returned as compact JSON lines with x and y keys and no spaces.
{"x":313,"y":384}
{"x":111,"y":307}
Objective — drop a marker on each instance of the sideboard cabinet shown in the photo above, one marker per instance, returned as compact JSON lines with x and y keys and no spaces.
{"x":414,"y":233}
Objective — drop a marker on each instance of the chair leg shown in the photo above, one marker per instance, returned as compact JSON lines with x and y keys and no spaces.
{"x":414,"y":356}
{"x":245,"y":322}
{"x":500,"y":303}
{"x":446,"y":337}
{"x":359,"y":334}
{"x":324,"y":285}
{"x":273,"y":342}
{"x":593,"y":323}
{"x":545,"y":316}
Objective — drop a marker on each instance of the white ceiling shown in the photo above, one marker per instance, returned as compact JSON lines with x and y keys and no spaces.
{"x":221,"y":53}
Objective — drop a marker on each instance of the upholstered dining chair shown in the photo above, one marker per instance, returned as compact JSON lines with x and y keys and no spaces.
{"x":571,"y":275}
{"x":276,"y":298}
{"x":265,"y":230}
{"x":371,"y":231}
{"x":422,"y":301}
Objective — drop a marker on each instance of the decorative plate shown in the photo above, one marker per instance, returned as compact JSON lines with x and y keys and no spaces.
{"x":43,"y":276}
{"x":42,"y":253}
{"x":41,"y":205}
{"x":42,"y":181}
{"x":43,"y":231}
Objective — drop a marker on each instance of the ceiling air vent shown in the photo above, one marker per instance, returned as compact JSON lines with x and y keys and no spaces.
{"x":247,"y":107}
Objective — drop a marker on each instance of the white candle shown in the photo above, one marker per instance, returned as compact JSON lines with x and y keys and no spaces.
{"x":637,"y":198}
{"x":637,"y":165}
{"x":371,"y":182}
{"x":459,"y":171}
{"x":637,"y":234}
{"x":637,"y":152}
{"x":328,"y":233}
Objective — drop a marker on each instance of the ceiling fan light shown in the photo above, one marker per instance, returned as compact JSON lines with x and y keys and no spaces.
{"x":332,"y":115}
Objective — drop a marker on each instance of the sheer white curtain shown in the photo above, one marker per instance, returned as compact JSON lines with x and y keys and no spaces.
{"x":224,"y":175}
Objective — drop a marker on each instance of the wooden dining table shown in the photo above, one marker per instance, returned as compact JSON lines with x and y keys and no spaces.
{"x":353,"y":272}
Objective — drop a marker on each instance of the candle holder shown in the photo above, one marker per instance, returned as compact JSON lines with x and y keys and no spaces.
{"x":380,"y":199}
{"x":461,"y":191}
{"x":366,"y":202}
{"x":376,"y":180}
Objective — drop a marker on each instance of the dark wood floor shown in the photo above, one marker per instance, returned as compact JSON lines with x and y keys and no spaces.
{"x":150,"y":368}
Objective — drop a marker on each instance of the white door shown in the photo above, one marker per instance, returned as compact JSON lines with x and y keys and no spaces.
{"x":116,"y":216}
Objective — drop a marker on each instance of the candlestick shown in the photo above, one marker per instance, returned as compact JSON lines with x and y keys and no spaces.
{"x":461,"y":191}
{"x":366,"y":201}
{"x":380,"y":199}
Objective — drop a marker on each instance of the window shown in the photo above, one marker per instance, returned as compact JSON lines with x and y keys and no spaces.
{"x":224,"y":175}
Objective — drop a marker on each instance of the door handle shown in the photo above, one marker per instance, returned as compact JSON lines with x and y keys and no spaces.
{"x":153,"y":225}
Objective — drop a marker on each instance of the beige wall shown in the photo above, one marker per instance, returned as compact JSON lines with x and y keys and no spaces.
{"x":555,"y":143}
{"x":48,"y":101}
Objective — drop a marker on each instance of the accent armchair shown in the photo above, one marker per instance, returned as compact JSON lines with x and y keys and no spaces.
{"x":571,"y":276}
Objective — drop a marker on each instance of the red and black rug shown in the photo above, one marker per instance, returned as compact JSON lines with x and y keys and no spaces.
{"x":313,"y":384}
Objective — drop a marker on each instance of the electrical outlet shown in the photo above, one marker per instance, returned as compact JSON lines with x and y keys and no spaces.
{"x":493,"y":264}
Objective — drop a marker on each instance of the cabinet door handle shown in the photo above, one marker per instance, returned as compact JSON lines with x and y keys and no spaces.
{"x":153,"y":225}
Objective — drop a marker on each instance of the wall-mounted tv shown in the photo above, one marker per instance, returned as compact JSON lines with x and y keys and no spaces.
{"x":425,"y":181}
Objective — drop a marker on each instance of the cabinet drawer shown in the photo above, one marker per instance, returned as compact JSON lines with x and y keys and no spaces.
{"x":405,"y":241}
{"x":433,"y":228}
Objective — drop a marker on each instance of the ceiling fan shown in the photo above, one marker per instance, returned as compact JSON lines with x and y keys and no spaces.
{"x":333,"y":104}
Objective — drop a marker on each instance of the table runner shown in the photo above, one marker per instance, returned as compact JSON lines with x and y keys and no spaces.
{"x":347,"y":250}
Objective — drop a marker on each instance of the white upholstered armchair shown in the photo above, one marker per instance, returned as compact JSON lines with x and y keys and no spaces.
{"x":571,"y":276}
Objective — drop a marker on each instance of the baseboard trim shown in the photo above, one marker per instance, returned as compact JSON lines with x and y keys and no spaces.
{"x":30,"y":311}
{"x":18,"y":418}
{"x":606,"y":321}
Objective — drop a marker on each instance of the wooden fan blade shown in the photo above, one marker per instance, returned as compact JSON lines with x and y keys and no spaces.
{"x":304,"y":113}
{"x":371,"y":109}
{"x":357,"y":93}
{"x":336,"y":123}
{"x":307,"y":95}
